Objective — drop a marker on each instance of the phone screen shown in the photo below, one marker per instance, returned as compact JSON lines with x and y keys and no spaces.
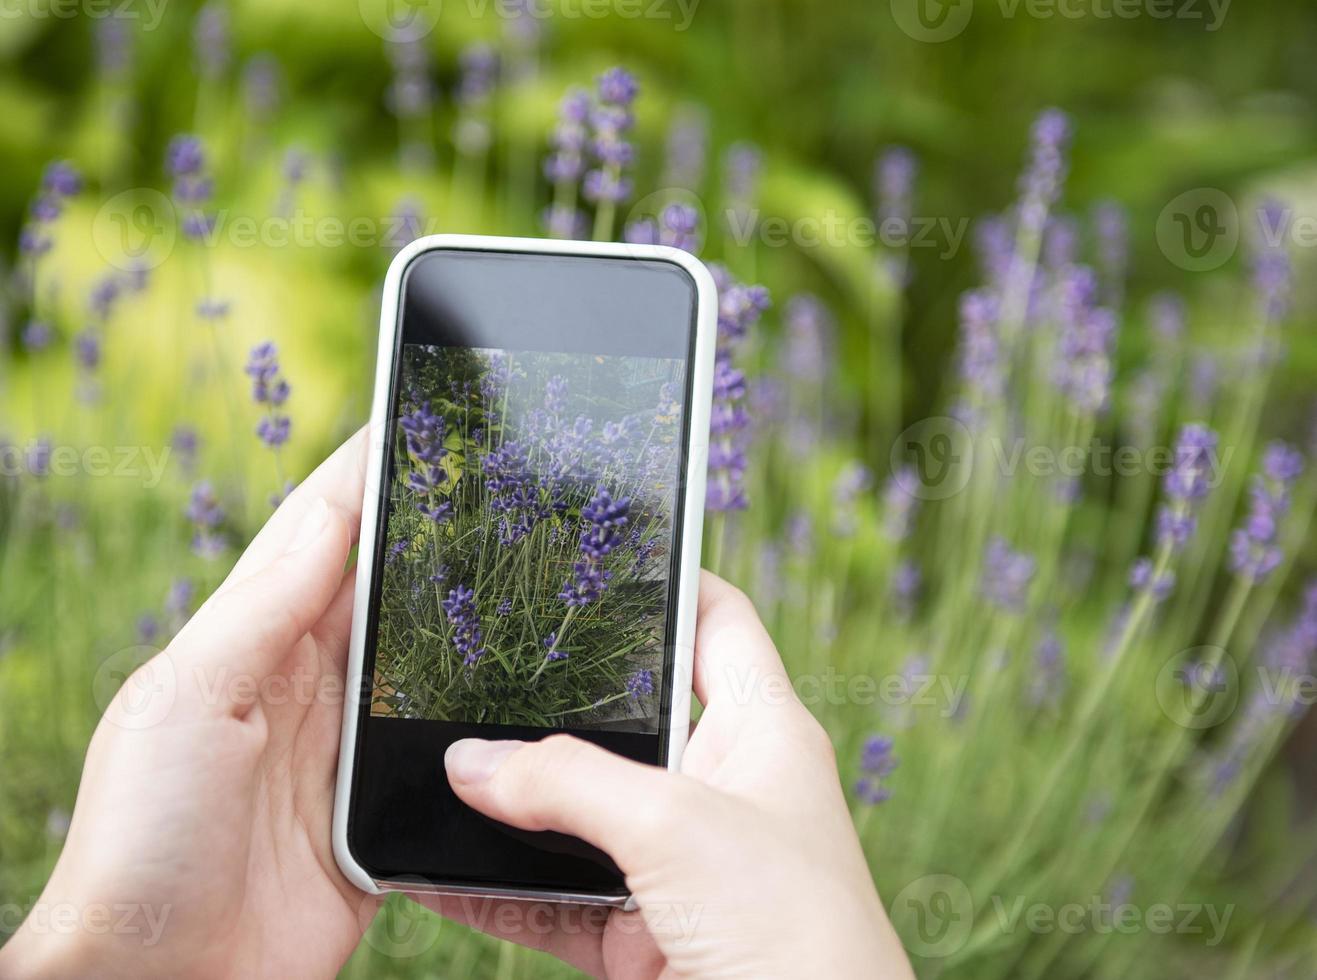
{"x":528,"y":536}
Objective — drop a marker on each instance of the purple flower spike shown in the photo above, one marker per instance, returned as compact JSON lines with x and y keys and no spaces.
{"x":269,"y":389}
{"x":640,"y":684}
{"x":1007,"y":575}
{"x":1143,"y":580}
{"x":1195,"y":458}
{"x":618,"y":87}
{"x":207,"y":515}
{"x":894,"y":179}
{"x":185,"y":157}
{"x":460,"y":608}
{"x":1254,"y":549}
{"x":61,"y":179}
{"x":877,"y":762}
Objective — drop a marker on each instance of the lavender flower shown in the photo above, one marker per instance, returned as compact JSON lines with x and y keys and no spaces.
{"x":424,"y":432}
{"x":1142,"y":579}
{"x":1112,"y":224}
{"x":605,"y":522}
{"x":262,"y":86}
{"x":207,"y":515}
{"x":479,"y":63}
{"x":460,"y":608}
{"x":900,"y":507}
{"x":551,"y":645}
{"x":1082,"y":370}
{"x":739,"y":308}
{"x":270,"y":390}
{"x":640,"y":684}
{"x":410,"y":96}
{"x":1272,"y":270}
{"x":810,"y":331}
{"x":1040,"y":185}
{"x":1007,"y":575}
{"x":178,"y":601}
{"x":610,"y":122}
{"x":114,"y":49}
{"x":981,"y":365}
{"x":185,"y":162}
{"x":877,"y":762}
{"x":1048,"y":683}
{"x":687,"y":148}
{"x":1254,"y":551}
{"x":742,"y":167}
{"x":906,"y":582}
{"x":1186,"y":484}
{"x":893,"y":184}
{"x":854,"y":480}
{"x":211,"y":41}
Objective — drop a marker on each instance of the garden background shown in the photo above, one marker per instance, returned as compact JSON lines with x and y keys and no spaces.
{"x":1028,"y":717}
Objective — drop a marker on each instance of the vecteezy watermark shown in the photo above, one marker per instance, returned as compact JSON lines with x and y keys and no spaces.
{"x":1104,"y":916}
{"x":409,"y":20}
{"x":1198,"y":688}
{"x":41,"y":459}
{"x":148,"y":12}
{"x":934,"y":458}
{"x":934,"y":916}
{"x":935,"y":21}
{"x":138,"y":229}
{"x":96,"y":919}
{"x":832,"y":229}
{"x":1200,"y":229}
{"x":922,"y":689}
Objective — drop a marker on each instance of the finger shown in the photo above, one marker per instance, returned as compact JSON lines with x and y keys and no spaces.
{"x":571,"y":933}
{"x":340,"y":481}
{"x":245,"y":633}
{"x":333,"y":632}
{"x":624,"y":808}
{"x":736,"y":663}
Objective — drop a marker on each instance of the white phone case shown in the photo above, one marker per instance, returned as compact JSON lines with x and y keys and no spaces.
{"x":688,"y":577}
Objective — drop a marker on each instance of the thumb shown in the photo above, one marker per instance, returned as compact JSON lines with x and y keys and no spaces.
{"x":251,"y":627}
{"x":561,"y":783}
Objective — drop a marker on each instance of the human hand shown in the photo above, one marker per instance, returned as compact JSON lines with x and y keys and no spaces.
{"x":746,"y":863}
{"x":207,"y":792}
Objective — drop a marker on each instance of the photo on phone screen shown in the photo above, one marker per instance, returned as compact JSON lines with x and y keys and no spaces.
{"x":530,"y":526}
{"x":526,"y":539}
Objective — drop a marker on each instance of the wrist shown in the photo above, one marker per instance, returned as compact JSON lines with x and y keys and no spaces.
{"x":41,"y":950}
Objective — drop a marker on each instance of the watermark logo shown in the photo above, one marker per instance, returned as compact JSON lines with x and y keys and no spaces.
{"x":400,"y":20}
{"x":1199,"y":230}
{"x":1198,"y":688}
{"x":933,"y":459}
{"x":135,"y":230}
{"x":397,"y":926}
{"x":135,"y":687}
{"x":932,"y":21}
{"x":934,"y":915}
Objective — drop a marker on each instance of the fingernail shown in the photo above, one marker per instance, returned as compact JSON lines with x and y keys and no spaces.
{"x":312,"y":524}
{"x":474,"y":760}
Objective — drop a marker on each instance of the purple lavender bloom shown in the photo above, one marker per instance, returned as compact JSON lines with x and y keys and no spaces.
{"x":61,"y":179}
{"x":178,"y":600}
{"x":1254,"y":550}
{"x":460,"y":608}
{"x":207,"y":515}
{"x":1166,"y":314}
{"x":37,"y":335}
{"x":185,"y":156}
{"x":980,"y":357}
{"x":565,"y":221}
{"x":211,"y":41}
{"x":1143,"y":580}
{"x":742,"y":167}
{"x":900,"y":507}
{"x":1048,"y":684}
{"x":640,"y":684}
{"x":810,"y":330}
{"x":566,"y":164}
{"x":610,"y":122}
{"x":1007,"y":575}
{"x":87,"y":347}
{"x":504,"y":607}
{"x":1060,"y":242}
{"x":1082,"y":370}
{"x":184,"y":442}
{"x":853,"y":481}
{"x":1111,"y":221}
{"x":114,"y":49}
{"x":262,"y":85}
{"x":1272,"y":270}
{"x":551,"y":644}
{"x":1040,"y":185}
{"x":877,"y":762}
{"x":687,"y":149}
{"x":270,"y":389}
{"x":906,"y":582}
{"x":606,"y":520}
{"x":39,"y":456}
{"x":1195,"y":458}
{"x":479,"y":64}
{"x":894,"y":179}
{"x":587,"y":585}
{"x":148,"y":628}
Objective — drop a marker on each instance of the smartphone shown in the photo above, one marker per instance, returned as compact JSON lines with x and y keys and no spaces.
{"x":530,"y":544}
